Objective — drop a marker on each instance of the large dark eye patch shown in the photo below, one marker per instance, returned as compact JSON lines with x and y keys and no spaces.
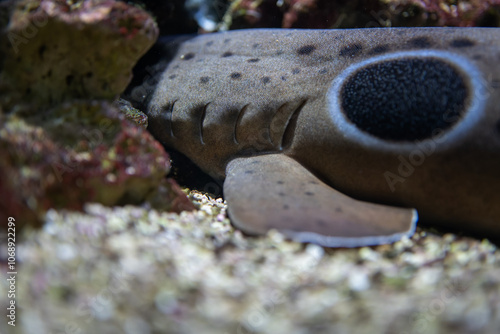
{"x":406,"y":97}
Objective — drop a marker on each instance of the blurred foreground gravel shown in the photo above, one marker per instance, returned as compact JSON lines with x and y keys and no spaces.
{"x":136,"y":271}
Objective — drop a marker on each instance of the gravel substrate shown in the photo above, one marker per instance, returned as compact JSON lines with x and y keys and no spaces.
{"x":137,"y":271}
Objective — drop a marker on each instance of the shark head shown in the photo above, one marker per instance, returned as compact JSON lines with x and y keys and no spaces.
{"x":405,"y":118}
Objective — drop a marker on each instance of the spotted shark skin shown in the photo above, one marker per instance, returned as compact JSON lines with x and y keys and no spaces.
{"x":336,"y":136}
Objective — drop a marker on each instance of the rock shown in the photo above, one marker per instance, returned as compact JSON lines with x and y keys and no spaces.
{"x":327,"y":14}
{"x":446,"y":13}
{"x":169,"y":196}
{"x":63,"y":143}
{"x":57,"y":50}
{"x":82,"y":152}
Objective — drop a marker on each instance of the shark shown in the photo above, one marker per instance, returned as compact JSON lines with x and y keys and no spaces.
{"x":343,"y":138}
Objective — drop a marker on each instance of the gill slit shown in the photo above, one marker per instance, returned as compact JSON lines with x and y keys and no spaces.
{"x":202,"y":119}
{"x":291,"y":124}
{"x":237,"y":123}
{"x":171,"y":113}
{"x":276,"y":117}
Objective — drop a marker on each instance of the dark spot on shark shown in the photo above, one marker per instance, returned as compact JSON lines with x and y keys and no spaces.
{"x":286,"y":207}
{"x":173,"y":76}
{"x":321,"y":222}
{"x":265,"y":80}
{"x":420,"y":42}
{"x":209,"y":43}
{"x":204,"y":79}
{"x":227,"y":54}
{"x":296,"y":71}
{"x":305,"y":50}
{"x":202,"y":112}
{"x":279,"y":52}
{"x":253,"y":60}
{"x":323,"y":71}
{"x":282,"y":194}
{"x":227,"y":40}
{"x":255,"y":46}
{"x":462,"y":43}
{"x":309,"y":193}
{"x":249,"y":172}
{"x":338,"y":209}
{"x":351,"y":50}
{"x":187,"y":56}
{"x":235,"y":75}
{"x":379,"y":49}
{"x":280,"y":182}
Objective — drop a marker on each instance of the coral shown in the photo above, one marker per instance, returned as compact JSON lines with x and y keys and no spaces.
{"x":251,"y":14}
{"x":131,"y":113}
{"x":169,"y":197}
{"x":360,"y":13}
{"x":63,"y":162}
{"x":460,"y":13}
{"x":317,"y":14}
{"x":62,"y":141}
{"x":310,"y":14}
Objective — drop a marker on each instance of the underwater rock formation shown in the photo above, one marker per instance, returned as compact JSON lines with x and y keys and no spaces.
{"x":55,"y":51}
{"x":62,"y":141}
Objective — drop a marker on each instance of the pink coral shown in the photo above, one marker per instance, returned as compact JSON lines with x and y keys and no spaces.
{"x":62,"y":142}
{"x":461,"y":13}
{"x":361,"y":13}
{"x":309,"y":13}
{"x":45,"y":166}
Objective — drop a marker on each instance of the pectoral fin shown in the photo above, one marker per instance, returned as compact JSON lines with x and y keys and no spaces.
{"x":276,"y":192}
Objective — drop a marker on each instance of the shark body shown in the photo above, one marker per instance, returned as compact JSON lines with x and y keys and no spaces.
{"x":339,"y":137}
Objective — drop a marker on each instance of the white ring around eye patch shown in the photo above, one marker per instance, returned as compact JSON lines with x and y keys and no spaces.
{"x":470,"y":74}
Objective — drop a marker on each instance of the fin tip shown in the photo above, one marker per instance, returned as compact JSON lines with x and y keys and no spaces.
{"x":352,"y":242}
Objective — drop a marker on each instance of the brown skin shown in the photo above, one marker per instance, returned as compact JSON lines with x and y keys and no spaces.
{"x":287,"y":197}
{"x":255,"y":92}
